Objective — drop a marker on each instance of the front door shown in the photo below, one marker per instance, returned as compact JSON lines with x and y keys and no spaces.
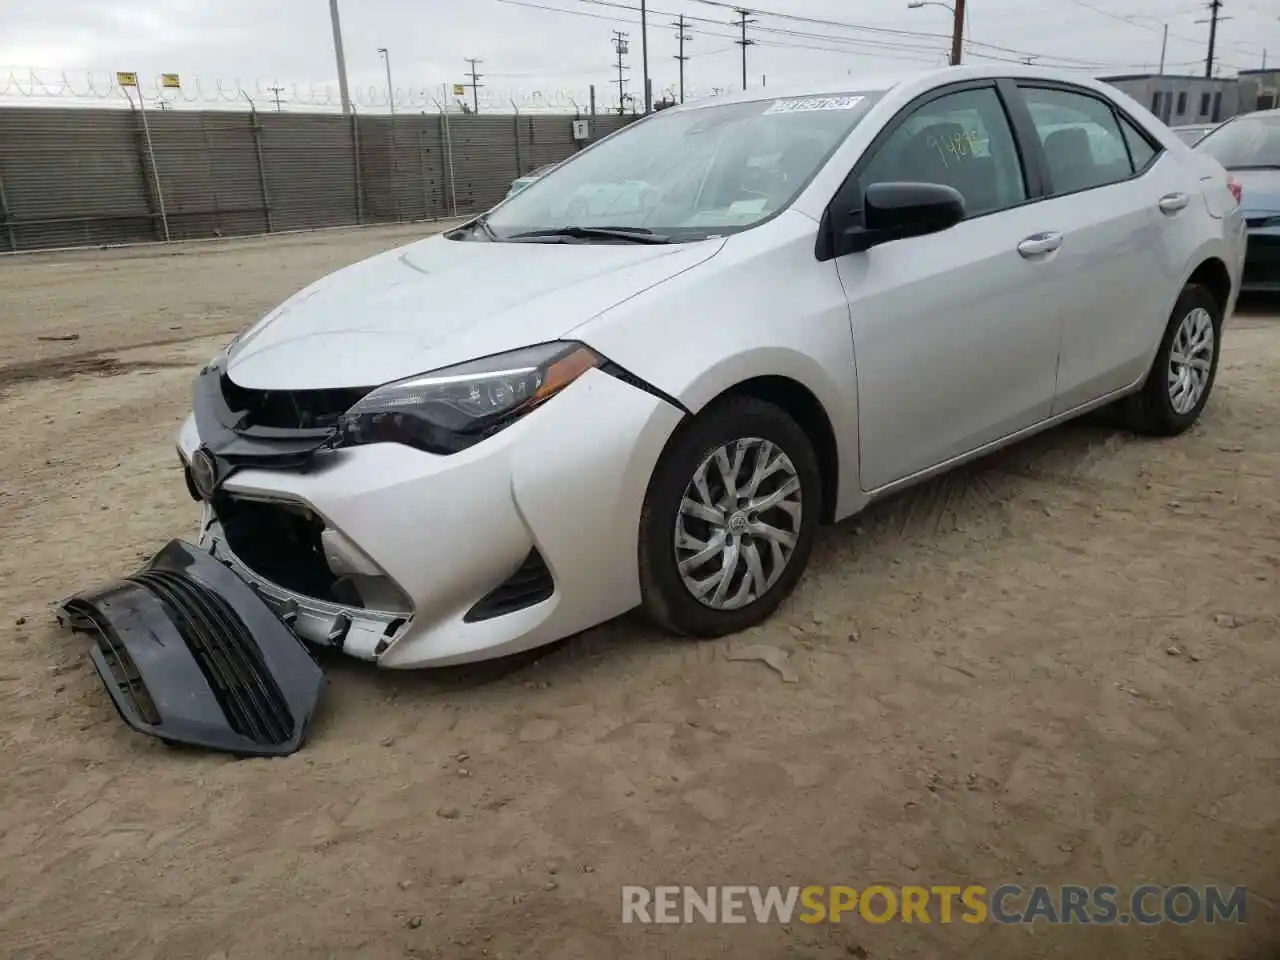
{"x":956,"y":333}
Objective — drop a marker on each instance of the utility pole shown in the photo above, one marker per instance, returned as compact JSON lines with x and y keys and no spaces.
{"x":276,"y":91}
{"x":1214,"y":19}
{"x":475,"y":83}
{"x":682,"y":38}
{"x":621,"y":47}
{"x":644,"y":58}
{"x":342,"y":61}
{"x":957,"y":34}
{"x":742,"y":22}
{"x":1164,"y":45}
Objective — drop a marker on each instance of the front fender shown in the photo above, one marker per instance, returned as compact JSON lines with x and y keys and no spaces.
{"x":763,"y":307}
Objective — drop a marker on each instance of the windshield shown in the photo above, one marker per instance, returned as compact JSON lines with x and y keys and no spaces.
{"x":1245,"y":142}
{"x":688,"y":174}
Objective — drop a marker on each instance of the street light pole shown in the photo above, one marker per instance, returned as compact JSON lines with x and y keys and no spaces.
{"x":391,"y":95}
{"x":957,"y":29}
{"x":342,"y":60}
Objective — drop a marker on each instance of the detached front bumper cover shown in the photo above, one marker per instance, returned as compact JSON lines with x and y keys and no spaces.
{"x":190,"y":654}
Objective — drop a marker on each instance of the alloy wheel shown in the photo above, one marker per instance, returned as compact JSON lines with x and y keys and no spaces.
{"x":738,"y":523}
{"x":1191,"y":360}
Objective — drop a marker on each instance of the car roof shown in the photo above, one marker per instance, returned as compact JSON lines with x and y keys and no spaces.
{"x":882,"y":82}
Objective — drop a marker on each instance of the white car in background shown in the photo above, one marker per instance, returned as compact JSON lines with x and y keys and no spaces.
{"x":495,"y":438}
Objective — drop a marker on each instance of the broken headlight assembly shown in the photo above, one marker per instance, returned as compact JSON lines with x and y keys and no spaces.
{"x":448,"y":410}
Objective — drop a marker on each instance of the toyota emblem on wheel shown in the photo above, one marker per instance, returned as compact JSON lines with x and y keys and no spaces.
{"x":204,"y":473}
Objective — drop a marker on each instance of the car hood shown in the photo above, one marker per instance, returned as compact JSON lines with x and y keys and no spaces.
{"x":1261,"y":191}
{"x":438,"y":302}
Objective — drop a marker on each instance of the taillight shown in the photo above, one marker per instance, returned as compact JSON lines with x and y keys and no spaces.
{"x":1236,"y":188}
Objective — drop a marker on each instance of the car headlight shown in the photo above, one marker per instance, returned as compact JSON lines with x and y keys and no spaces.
{"x":448,"y":410}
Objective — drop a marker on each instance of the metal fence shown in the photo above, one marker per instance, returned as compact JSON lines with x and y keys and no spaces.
{"x":89,"y":177}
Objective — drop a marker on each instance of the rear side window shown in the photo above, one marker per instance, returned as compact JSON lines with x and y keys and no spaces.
{"x":1082,"y":141}
{"x":1140,"y":149}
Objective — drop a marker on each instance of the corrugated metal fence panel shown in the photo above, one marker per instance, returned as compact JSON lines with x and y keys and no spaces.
{"x":208,"y":174}
{"x":71,"y":178}
{"x":310,"y":170}
{"x":81,"y":177}
{"x":484,"y":153}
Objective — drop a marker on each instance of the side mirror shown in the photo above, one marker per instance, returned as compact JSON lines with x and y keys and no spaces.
{"x":894,"y":211}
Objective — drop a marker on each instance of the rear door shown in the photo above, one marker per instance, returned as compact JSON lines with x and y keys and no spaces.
{"x":1117,"y":202}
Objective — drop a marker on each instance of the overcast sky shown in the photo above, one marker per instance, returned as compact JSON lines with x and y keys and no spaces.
{"x":559,"y":48}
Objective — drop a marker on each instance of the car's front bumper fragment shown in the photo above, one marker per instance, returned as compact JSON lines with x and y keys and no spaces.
{"x":190,"y":654}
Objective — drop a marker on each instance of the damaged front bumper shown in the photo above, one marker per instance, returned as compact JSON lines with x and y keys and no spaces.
{"x":189,"y":653}
{"x":353,"y":630}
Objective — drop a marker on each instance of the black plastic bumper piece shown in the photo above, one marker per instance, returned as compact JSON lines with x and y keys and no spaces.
{"x":190,"y":654}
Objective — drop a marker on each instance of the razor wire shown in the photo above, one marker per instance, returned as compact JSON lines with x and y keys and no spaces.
{"x":25,"y":83}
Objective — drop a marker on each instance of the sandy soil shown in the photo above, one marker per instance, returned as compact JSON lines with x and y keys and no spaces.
{"x":1057,"y":666}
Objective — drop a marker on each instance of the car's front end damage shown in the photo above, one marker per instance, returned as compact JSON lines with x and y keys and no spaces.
{"x":394,"y":554}
{"x":423,"y":487}
{"x":409,"y":558}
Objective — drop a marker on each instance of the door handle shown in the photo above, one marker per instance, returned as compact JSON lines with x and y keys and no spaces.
{"x":1171,"y":203}
{"x":1039,"y":244}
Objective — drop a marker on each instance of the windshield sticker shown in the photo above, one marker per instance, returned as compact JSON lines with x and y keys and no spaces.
{"x":807,"y":104}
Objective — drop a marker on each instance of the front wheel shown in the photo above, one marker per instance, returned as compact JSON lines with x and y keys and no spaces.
{"x":729,"y":519}
{"x":1184,"y":369}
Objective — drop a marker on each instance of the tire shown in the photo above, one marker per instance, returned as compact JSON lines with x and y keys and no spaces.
{"x":1152,"y":410}
{"x":753,"y":427}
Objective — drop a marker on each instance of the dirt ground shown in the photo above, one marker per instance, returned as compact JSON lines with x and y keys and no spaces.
{"x":1058,"y":666}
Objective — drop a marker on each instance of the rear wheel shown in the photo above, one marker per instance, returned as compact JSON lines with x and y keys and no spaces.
{"x":729,"y":519}
{"x":1184,"y":369}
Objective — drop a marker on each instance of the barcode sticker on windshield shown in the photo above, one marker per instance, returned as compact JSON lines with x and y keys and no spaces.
{"x":806,"y":104}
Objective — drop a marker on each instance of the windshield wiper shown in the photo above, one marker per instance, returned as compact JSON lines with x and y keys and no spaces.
{"x":573,"y":232}
{"x":482,"y":224}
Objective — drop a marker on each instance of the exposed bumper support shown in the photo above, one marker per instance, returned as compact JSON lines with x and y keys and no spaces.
{"x":191,"y":655}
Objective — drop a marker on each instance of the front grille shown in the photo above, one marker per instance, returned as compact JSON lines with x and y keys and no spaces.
{"x":531,"y":583}
{"x":289,"y":409}
{"x":125,"y":675}
{"x":227,"y":654}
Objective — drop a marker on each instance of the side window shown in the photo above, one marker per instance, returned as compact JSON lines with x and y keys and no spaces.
{"x":1182,"y":103}
{"x":1140,"y":148}
{"x":962,"y":140}
{"x":1155,"y":103}
{"x":1204,"y":104}
{"x":1082,"y":141}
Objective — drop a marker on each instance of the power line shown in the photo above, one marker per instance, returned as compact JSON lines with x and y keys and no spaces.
{"x":885,"y":32}
{"x":862,"y":46}
{"x":475,"y":83}
{"x":744,"y":42}
{"x":682,"y":38}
